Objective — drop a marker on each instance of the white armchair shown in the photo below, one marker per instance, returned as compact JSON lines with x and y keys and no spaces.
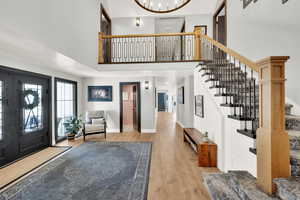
{"x":95,"y":123}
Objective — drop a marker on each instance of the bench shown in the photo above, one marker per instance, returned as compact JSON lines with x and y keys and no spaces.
{"x":206,"y":149}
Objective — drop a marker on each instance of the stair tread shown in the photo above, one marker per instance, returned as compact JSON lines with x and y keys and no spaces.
{"x":246,"y":185}
{"x":234,"y":185}
{"x":218,"y":186}
{"x":288,"y":188}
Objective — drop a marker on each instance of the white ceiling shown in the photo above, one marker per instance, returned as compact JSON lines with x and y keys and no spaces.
{"x":128,"y":8}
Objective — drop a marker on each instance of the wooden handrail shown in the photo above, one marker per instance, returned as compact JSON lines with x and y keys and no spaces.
{"x":233,"y":53}
{"x":145,"y":35}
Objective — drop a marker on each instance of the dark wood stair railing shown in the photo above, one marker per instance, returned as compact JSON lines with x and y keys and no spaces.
{"x":256,"y":93}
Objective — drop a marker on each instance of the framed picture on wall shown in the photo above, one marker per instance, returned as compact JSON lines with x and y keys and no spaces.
{"x":99,"y":93}
{"x":180,"y":95}
{"x":199,"y":106}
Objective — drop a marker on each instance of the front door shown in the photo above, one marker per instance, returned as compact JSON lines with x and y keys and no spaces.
{"x":24,"y":115}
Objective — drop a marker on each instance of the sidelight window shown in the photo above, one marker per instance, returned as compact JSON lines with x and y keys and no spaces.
{"x":66,"y":105}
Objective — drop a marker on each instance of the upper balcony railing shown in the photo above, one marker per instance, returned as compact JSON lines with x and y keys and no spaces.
{"x":149,"y":48}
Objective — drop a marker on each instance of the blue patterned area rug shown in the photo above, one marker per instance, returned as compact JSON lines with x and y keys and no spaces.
{"x":94,"y":170}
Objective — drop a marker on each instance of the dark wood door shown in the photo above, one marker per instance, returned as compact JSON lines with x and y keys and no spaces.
{"x":25,"y":114}
{"x":106,"y":28}
{"x":135,"y":108}
{"x":221,"y":30}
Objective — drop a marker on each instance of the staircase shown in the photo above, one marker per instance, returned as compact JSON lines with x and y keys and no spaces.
{"x":238,"y":87}
{"x":240,"y":92}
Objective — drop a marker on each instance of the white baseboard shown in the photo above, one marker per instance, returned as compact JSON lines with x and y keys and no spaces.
{"x":180,"y":124}
{"x":148,"y":130}
{"x":113,"y":130}
{"x":143,"y":131}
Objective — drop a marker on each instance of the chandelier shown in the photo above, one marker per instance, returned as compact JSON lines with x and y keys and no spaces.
{"x":162,"y":6}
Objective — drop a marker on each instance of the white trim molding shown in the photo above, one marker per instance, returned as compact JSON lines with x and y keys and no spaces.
{"x":113,"y":130}
{"x":148,"y":131}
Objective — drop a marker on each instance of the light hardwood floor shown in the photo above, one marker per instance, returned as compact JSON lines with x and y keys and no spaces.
{"x":18,"y":169}
{"x":174,"y":173}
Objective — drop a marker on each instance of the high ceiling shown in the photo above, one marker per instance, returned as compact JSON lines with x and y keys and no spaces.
{"x":128,"y":8}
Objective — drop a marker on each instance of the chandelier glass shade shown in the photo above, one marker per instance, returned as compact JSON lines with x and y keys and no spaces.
{"x":162,"y":6}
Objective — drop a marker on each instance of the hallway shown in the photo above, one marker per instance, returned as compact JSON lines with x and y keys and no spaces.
{"x":174,"y":172}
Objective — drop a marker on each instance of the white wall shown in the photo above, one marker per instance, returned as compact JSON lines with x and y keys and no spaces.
{"x":268,"y":28}
{"x":184,"y":113}
{"x":233,"y":148}
{"x":194,"y":20}
{"x":113,"y":108}
{"x":126,"y":26}
{"x":70,"y":26}
{"x":123,"y":26}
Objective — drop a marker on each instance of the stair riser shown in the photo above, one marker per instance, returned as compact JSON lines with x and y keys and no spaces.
{"x":227,"y":75}
{"x":238,"y":112}
{"x":295,"y":143}
{"x":295,"y":161}
{"x":247,"y":102}
{"x":240,"y":92}
{"x":295,"y":170}
{"x":295,"y":165}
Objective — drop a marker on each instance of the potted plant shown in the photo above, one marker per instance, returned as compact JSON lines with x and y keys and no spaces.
{"x":73,"y":126}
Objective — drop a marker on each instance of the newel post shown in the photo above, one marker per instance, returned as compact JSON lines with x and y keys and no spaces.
{"x":197,"y":43}
{"x":273,"y":148}
{"x":100,"y":51}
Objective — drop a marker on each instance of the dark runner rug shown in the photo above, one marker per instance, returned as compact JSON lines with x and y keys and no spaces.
{"x":94,"y":170}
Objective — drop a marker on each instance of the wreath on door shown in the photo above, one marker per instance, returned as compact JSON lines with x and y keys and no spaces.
{"x":31,"y":99}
